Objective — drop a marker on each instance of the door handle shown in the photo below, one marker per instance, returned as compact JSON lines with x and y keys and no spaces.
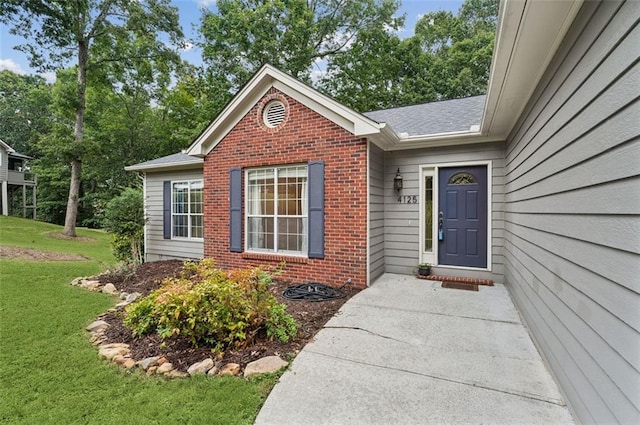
{"x":440,"y":226}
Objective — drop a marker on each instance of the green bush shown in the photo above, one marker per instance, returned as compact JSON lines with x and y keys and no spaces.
{"x":210,"y":305}
{"x":124,"y":218}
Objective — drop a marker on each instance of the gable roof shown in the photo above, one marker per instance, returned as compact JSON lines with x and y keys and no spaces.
{"x":268,"y":77}
{"x":176,"y":161}
{"x":447,"y":116}
{"x":6,"y":147}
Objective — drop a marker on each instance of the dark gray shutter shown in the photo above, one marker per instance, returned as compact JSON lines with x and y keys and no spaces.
{"x":316,"y":209}
{"x":166,"y":209}
{"x":235,"y":210}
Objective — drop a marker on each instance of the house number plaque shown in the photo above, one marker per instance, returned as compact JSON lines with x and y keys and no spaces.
{"x":408,"y":199}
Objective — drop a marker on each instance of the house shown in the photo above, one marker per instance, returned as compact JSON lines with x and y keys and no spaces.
{"x":18,"y":186}
{"x":535,"y":185}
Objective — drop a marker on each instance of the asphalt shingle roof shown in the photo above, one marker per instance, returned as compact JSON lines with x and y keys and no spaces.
{"x":416,"y":120}
{"x":433,"y":118}
{"x":173,"y":159}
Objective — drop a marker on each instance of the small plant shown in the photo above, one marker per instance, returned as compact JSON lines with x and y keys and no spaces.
{"x":218,"y":307}
{"x":424,"y":269}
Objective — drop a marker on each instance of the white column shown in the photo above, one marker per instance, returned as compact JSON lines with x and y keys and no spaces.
{"x":5,"y":199}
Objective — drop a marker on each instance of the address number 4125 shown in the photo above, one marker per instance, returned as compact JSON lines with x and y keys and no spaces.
{"x":408,"y":199}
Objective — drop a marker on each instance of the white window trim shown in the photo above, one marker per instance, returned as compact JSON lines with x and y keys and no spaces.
{"x":275,"y":251}
{"x":189,"y":213}
{"x":426,"y":170}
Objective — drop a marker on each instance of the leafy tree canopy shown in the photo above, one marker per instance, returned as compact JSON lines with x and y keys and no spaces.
{"x":291,"y":35}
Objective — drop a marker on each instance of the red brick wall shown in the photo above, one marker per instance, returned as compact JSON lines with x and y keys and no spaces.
{"x":304,"y":136}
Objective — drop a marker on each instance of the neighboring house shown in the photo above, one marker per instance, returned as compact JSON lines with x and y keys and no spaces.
{"x":18,"y":186}
{"x":536,"y":185}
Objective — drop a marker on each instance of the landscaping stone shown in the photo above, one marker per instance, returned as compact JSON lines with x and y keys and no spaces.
{"x":110,"y":289}
{"x":92,"y":285}
{"x":98,"y":324}
{"x":129,"y":363}
{"x":115,"y":345}
{"x":176,"y":374}
{"x":132,"y":297}
{"x":148,"y":362}
{"x":264,"y":365}
{"x":152,"y":370}
{"x":214,"y":370}
{"x":129,"y":299}
{"x":110,"y":353}
{"x":120,"y":359}
{"x":76,"y":281}
{"x":230,"y":369}
{"x":164,"y":368}
{"x":162,"y":360}
{"x":201,"y":367}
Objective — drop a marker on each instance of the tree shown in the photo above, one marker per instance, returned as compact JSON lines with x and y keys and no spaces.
{"x":24,"y":110}
{"x":112,"y":34}
{"x":291,"y":35}
{"x":448,"y":57}
{"x":461,"y":47}
{"x":379,"y":71}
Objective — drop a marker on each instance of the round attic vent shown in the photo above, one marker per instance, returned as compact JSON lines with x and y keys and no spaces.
{"x":274,"y":114}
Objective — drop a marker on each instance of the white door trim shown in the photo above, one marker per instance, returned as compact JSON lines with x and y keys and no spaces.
{"x":427,"y":169}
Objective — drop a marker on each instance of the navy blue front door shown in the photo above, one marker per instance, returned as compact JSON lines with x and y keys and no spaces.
{"x":462,"y":216}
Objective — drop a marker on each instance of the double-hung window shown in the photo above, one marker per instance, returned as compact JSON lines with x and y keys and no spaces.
{"x":277,"y":210}
{"x":186,"y":209}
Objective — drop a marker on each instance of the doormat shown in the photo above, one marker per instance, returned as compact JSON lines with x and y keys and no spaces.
{"x":470,"y":280}
{"x":464,"y":286}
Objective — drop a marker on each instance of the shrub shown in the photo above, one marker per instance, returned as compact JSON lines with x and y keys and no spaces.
{"x":124,"y":217}
{"x":207,"y":304}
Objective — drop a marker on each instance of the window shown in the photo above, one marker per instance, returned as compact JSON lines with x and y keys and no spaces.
{"x":277,"y":206}
{"x":186,"y":209}
{"x":428,"y":213}
{"x":462,"y":178}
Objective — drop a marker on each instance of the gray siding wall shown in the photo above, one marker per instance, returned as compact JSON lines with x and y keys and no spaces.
{"x":158,"y":248}
{"x":572,"y":205}
{"x":4,"y":165}
{"x":402,"y":221}
{"x":376,"y":212}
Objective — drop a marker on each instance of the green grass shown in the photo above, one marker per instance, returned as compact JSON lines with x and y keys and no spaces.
{"x":50,"y":373}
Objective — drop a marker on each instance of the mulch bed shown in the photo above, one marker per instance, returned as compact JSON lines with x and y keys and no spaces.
{"x":310,"y":316}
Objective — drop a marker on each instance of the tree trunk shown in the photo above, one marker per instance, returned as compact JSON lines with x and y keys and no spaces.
{"x":78,"y":134}
{"x":74,"y":198}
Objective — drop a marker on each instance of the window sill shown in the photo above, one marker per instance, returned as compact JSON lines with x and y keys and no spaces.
{"x":274,"y":257}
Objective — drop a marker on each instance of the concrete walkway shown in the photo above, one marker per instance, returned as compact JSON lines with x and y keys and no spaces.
{"x":406,"y":351}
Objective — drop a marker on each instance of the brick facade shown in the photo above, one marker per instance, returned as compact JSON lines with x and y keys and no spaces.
{"x":304,"y":136}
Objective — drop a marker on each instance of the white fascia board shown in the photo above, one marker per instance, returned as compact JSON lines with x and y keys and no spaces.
{"x":443,"y":139}
{"x":341,"y":115}
{"x":241,"y":103}
{"x":529,"y":34}
{"x":183,"y":165}
{"x":266,"y":78}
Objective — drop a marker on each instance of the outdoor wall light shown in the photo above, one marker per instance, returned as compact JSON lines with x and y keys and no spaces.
{"x":397,"y":181}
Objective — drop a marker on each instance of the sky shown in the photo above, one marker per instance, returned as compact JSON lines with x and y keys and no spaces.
{"x":190,"y":12}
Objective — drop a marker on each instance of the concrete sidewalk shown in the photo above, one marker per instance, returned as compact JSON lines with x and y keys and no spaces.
{"x":406,"y":351}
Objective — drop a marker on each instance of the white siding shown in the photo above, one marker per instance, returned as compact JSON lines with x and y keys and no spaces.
{"x":402,"y":221}
{"x":376,"y":212}
{"x":572,"y":206}
{"x":157,"y":247}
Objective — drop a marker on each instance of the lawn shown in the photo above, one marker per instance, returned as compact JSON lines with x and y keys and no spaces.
{"x":50,"y":373}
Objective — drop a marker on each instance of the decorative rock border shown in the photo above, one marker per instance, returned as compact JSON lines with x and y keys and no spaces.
{"x":120,"y":353}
